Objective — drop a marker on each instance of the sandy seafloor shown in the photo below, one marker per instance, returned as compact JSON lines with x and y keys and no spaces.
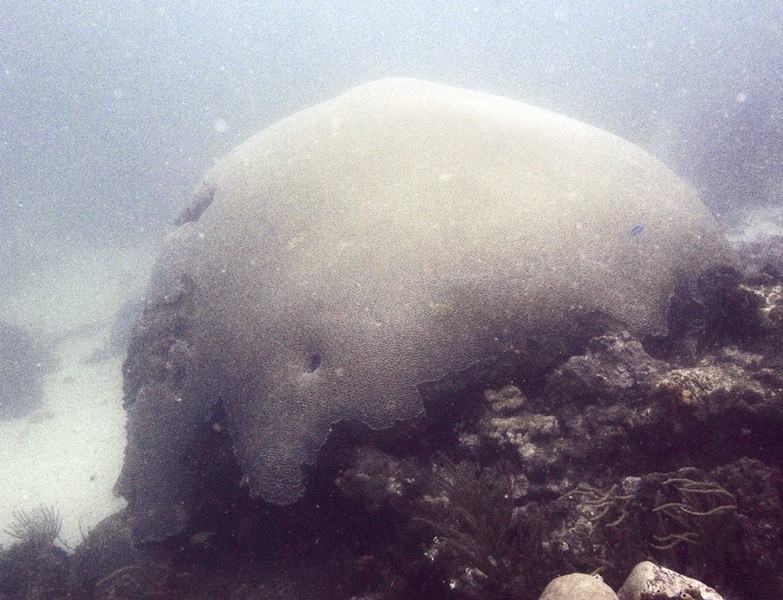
{"x":68,"y":452}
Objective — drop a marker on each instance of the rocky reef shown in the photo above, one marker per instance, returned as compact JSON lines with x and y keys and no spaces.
{"x":656,"y":452}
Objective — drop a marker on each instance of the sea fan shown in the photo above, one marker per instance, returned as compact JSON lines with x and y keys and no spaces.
{"x":40,"y":526}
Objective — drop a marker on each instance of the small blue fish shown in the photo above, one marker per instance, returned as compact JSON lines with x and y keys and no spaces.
{"x":637,"y":229}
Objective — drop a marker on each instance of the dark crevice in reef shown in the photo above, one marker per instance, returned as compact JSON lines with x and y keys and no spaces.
{"x":199,"y":202}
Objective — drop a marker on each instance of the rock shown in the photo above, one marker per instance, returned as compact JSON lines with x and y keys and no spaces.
{"x":731,"y":310}
{"x":507,"y":400}
{"x":520,"y":430}
{"x":739,"y":403}
{"x":648,"y":581}
{"x":378,"y":480}
{"x":578,"y":586}
{"x":614,"y":368}
{"x":33,"y":569}
{"x":758,"y":489}
{"x":106,"y":550}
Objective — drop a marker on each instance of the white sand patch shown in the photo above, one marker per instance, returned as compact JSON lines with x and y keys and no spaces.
{"x":68,"y":454}
{"x":757,"y":224}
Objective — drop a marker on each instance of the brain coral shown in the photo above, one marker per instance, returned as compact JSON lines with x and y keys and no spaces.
{"x":398,"y":233}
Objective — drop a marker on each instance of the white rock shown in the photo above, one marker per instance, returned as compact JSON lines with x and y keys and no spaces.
{"x":651,"y":582}
{"x":577,"y":586}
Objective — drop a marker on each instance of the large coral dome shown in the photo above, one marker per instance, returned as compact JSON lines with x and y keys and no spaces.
{"x":394,"y":235}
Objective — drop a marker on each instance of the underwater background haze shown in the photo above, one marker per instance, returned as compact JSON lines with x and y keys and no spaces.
{"x":111,"y":111}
